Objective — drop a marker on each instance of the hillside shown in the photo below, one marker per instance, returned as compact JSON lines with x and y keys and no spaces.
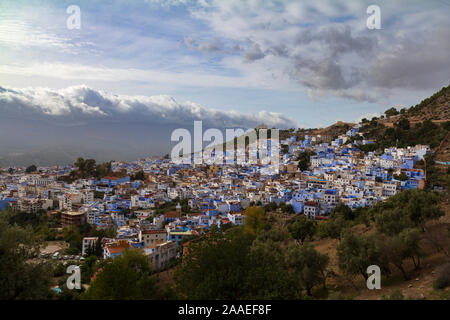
{"x":425,"y":123}
{"x":436,"y":108}
{"x":412,"y":253}
{"x":329,"y":132}
{"x":334,"y":130}
{"x":418,"y":287}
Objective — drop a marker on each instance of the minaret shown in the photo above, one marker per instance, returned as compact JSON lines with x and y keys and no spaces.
{"x":178,"y":210}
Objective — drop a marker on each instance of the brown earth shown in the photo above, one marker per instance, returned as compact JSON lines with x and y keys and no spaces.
{"x":419,"y":287}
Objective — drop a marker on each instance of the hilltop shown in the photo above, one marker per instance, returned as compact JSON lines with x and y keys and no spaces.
{"x":329,"y":132}
{"x":425,"y":123}
{"x":336,"y":129}
{"x":435,"y":108}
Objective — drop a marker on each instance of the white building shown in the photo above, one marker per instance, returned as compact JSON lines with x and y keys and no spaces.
{"x":311,"y":209}
{"x":236,"y":218}
{"x":88,"y":242}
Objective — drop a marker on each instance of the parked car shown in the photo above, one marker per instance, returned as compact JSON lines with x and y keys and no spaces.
{"x":44,"y":255}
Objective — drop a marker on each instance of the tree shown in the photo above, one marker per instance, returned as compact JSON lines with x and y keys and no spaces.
{"x":302,"y":229}
{"x":127,"y":276}
{"x":287,"y":208}
{"x":88,"y":268}
{"x":343,"y":210}
{"x":234,"y":265}
{"x":304,"y":159}
{"x":89,"y":167}
{"x":393,"y":251}
{"x":355,"y":254}
{"x":404,"y":124}
{"x":24,"y":219}
{"x":19,"y":278}
{"x":73,"y":236}
{"x":333,"y":228}
{"x":254,"y":220}
{"x":407,"y":209}
{"x":267,"y":273}
{"x":411,"y":238}
{"x":401,"y":177}
{"x":80,"y":164}
{"x":421,"y":205}
{"x":59,"y":270}
{"x":270,"y":207}
{"x":308,"y":265}
{"x":275,"y":234}
{"x":139,"y":175}
{"x":215,"y":268}
{"x":392,"y":221}
{"x":31,"y":169}
{"x":391,"y":112}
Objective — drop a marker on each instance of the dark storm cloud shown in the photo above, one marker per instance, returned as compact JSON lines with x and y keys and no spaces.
{"x":80,"y":103}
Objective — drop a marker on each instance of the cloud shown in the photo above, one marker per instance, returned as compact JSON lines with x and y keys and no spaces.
{"x":82,"y":73}
{"x":207,"y":47}
{"x":79,"y":104}
{"x":320,"y":47}
{"x":419,"y":62}
{"x":328,"y":49}
{"x":254,"y":53}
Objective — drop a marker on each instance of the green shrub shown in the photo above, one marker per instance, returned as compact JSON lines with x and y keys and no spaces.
{"x":59,"y":270}
{"x":395,"y":295}
{"x":443,"y":277}
{"x":71,"y":251}
{"x":337,"y":295}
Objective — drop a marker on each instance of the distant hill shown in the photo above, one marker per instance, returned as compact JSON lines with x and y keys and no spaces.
{"x":425,"y":123}
{"x":436,"y":108}
{"x":331,"y":131}
{"x":334,"y":130}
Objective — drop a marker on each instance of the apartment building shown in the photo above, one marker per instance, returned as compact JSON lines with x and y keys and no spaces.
{"x":72,"y":218}
{"x":161,"y":254}
{"x":152,"y":237}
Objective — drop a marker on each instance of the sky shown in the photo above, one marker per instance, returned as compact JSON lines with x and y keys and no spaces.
{"x":227,"y":62}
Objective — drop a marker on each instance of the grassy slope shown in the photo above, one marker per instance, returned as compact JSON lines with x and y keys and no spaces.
{"x":421,"y":284}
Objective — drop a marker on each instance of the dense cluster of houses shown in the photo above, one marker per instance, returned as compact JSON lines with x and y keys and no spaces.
{"x":215,"y":194}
